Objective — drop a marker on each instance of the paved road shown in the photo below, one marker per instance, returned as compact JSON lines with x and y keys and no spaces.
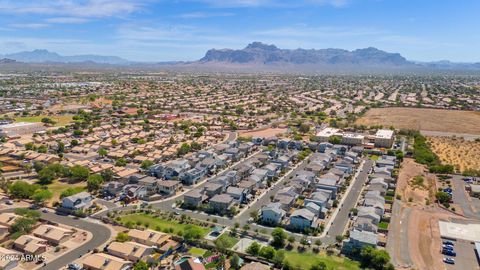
{"x":470,"y":206}
{"x":339,"y":223}
{"x":101,"y":234}
{"x":397,"y":242}
{"x":341,"y":219}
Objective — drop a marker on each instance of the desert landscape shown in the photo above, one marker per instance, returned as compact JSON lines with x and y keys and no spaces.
{"x":457,"y":151}
{"x":423,"y":119}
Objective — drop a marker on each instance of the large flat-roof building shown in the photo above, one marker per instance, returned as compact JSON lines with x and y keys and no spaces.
{"x":20,"y":128}
{"x":384,"y":138}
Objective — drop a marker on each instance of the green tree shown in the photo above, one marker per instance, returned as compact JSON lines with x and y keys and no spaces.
{"x":304,"y":128}
{"x":192,"y":232}
{"x":375,"y":259}
{"x":23,"y":225}
{"x":146,"y":164}
{"x":253,"y":249}
{"x":267,"y":252}
{"x":46,"y":176}
{"x":235,"y":261}
{"x":122,"y":237}
{"x":40,"y":196}
{"x":69,"y":192}
{"x":279,"y":258}
{"x":22,"y":189}
{"x":279,"y":237}
{"x":102,"y":152}
{"x":107,"y":175}
{"x":79,"y":173}
{"x":94,"y":182}
{"x":442,"y":197}
{"x":319,"y":266}
{"x":141,"y":265}
{"x":121,"y":162}
{"x":184,"y":149}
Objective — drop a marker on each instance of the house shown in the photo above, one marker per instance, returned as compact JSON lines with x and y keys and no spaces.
{"x":208,"y":164}
{"x":190,"y":264}
{"x":359,"y":239}
{"x":345,"y":166}
{"x":272,"y":214}
{"x":221,"y":203}
{"x":113,"y":188}
{"x":314,"y":208}
{"x":53,"y":234}
{"x":234,"y":153}
{"x":273,"y":169}
{"x":133,"y":192}
{"x":30,"y":244}
{"x":232,"y":177}
{"x":77,"y":201}
{"x":249,"y":185}
{"x":328,"y":183}
{"x":148,"y":237}
{"x":283,"y":161}
{"x":192,"y":176}
{"x":175,"y":168}
{"x":102,"y":261}
{"x":238,"y":194}
{"x":365,"y":224}
{"x":377,"y":202}
{"x":8,"y":219}
{"x":302,"y":219}
{"x":320,"y":198}
{"x":212,"y":189}
{"x":194,"y":198}
{"x":150,"y":184}
{"x":168,"y":187}
{"x":6,"y":264}
{"x":131,"y":251}
{"x":369,"y":213}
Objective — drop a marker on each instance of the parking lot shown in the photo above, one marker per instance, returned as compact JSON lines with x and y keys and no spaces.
{"x":465,"y":259}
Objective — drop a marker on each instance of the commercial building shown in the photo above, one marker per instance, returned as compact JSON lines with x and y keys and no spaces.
{"x":384,"y":138}
{"x":21,"y":128}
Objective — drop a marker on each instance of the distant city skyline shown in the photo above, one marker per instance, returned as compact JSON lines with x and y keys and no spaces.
{"x":183,"y":30}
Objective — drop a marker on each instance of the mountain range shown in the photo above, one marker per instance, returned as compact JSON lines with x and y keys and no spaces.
{"x":260,"y":53}
{"x":44,"y":56}
{"x":258,"y":56}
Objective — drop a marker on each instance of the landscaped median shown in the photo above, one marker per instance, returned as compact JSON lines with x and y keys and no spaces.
{"x":305,"y":260}
{"x":164,"y":224}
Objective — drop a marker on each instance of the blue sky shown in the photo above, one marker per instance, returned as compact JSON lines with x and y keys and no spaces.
{"x":162,"y":30}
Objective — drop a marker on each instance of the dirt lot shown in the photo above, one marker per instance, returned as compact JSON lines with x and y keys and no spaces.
{"x":264,"y":132}
{"x":461,"y":153}
{"x":424,"y":119}
{"x":416,"y":220}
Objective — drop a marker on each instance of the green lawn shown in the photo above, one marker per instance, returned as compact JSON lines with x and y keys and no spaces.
{"x":197,"y":251}
{"x":374,"y":157}
{"x":61,"y":120}
{"x":57,"y":188}
{"x":229,"y":239}
{"x":159,"y":224}
{"x":383,"y":225}
{"x":307,"y":259}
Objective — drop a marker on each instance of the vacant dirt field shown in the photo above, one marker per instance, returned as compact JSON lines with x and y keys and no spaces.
{"x":456,"y":151}
{"x":268,"y":132}
{"x":424,"y":119}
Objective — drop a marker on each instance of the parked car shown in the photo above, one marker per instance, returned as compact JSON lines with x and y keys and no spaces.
{"x":448,"y":243}
{"x":449,"y":252}
{"x":447,"y":247}
{"x":73,"y":266}
{"x":9,"y":202}
{"x":449,"y":260}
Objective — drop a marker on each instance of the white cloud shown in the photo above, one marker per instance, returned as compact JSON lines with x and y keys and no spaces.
{"x":29,"y":25}
{"x":86,"y":8}
{"x":201,"y":15}
{"x":272,"y":3}
{"x":67,"y":20}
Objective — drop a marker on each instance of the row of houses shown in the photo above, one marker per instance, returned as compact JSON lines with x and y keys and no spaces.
{"x":142,"y":245}
{"x":372,"y":209}
{"x":240,"y":184}
{"x":306,"y":200}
